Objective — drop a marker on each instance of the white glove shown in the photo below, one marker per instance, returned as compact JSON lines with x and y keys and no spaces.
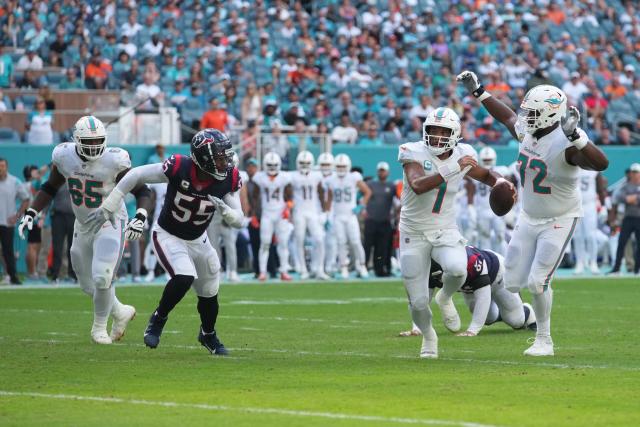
{"x":135,"y":227}
{"x":219,"y":204}
{"x":106,"y":212}
{"x":570,"y":121}
{"x":469,"y":80}
{"x":27,"y":222}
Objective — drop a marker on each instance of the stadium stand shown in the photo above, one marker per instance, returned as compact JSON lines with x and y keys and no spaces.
{"x":300,"y":57}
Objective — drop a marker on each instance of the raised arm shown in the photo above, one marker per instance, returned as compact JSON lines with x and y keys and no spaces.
{"x":582,"y":153}
{"x":498,"y":109}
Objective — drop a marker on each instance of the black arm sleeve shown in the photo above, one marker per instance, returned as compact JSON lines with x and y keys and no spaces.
{"x":141,"y":192}
{"x":49,"y":189}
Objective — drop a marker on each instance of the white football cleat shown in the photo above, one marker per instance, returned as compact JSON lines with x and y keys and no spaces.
{"x":344,"y":272}
{"x":449,"y":313}
{"x":304,"y":275}
{"x":579,"y":269}
{"x":542,"y":346}
{"x":100,"y":335}
{"x":321,"y":275}
{"x":594,"y":268}
{"x":363,"y":272}
{"x":232,"y":276}
{"x":429,"y":349}
{"x":410,"y":333}
{"x":120,"y":321}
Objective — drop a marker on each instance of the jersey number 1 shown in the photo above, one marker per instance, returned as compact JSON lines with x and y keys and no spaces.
{"x":535,"y":164}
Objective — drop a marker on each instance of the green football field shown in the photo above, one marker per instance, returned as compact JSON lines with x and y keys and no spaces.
{"x":317,"y":355}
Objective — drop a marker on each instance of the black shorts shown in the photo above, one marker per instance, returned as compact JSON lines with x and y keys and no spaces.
{"x":35,"y":235}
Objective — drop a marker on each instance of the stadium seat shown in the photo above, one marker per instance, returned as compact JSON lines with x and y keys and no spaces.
{"x":9,"y":135}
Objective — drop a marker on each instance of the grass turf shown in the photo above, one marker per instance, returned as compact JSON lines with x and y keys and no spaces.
{"x":314,"y":355}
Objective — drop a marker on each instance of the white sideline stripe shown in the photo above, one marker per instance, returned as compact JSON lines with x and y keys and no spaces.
{"x":366,"y":355}
{"x":319,"y":301}
{"x":279,"y":318}
{"x":247,"y":409}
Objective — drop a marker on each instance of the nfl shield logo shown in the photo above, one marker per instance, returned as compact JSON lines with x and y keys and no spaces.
{"x":427,"y":165}
{"x":184,"y":184}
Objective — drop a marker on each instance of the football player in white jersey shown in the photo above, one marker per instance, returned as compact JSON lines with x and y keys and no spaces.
{"x":343,"y":188}
{"x":428,"y":229}
{"x":552,"y":152}
{"x":491,"y":228}
{"x":273,"y":188}
{"x":92,"y":171}
{"x":593,"y":188}
{"x":325,"y":164}
{"x":219,"y":231}
{"x":308,"y":213}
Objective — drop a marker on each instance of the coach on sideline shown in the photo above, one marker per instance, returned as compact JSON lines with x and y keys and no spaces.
{"x":629,"y":194}
{"x":10,"y":189}
{"x":377,"y":225}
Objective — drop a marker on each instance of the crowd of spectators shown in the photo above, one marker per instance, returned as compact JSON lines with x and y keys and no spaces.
{"x":366,"y":72}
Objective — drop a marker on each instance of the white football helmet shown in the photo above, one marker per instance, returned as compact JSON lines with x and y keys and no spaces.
{"x":304,"y":162}
{"x":488,"y":157}
{"x":542,"y":106}
{"x":90,"y":137}
{"x":442,"y":117}
{"x":325,"y":160}
{"x":272,"y":163}
{"x":343,"y":165}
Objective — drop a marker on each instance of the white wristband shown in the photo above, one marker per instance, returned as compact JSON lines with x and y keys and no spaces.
{"x":582,"y":141}
{"x":113,"y":201}
{"x":484,"y":96}
{"x":449,"y":170}
{"x":143,"y":212}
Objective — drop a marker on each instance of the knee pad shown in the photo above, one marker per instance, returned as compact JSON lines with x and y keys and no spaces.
{"x":102,"y":281}
{"x":265,"y":246}
{"x":419,"y":303}
{"x":411,"y":266}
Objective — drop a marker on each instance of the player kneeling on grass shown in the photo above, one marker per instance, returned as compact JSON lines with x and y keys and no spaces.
{"x":433,"y":171}
{"x":484,"y":294}
{"x":197,"y":186}
{"x":92,"y":171}
{"x":552,"y":151}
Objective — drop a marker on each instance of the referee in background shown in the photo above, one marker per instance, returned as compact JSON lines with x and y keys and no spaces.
{"x":378,"y":231}
{"x":629,"y":195}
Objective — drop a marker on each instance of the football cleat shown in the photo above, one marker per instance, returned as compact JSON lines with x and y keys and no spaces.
{"x":232,"y":276}
{"x":579,"y":269}
{"x":262,"y":277}
{"x":429,"y":349}
{"x":304,"y":275}
{"x":154,"y":330}
{"x":594,"y":268}
{"x":120,"y":321}
{"x":344,"y":273}
{"x":212,"y":343}
{"x":363,"y":272}
{"x":410,"y":333}
{"x":449,"y":313}
{"x":285,"y":277}
{"x":99,"y":335}
{"x":321,"y":275}
{"x":542,"y":346}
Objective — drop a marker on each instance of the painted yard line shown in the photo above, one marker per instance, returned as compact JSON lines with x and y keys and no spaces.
{"x":247,"y":409}
{"x":366,"y":355}
{"x":232,"y":317}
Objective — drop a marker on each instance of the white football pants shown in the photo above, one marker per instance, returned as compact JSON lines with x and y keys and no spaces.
{"x":303,"y":221}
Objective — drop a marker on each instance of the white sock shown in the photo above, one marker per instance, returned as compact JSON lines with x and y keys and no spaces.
{"x":542,"y":307}
{"x":117,"y":305}
{"x":102,"y":304}
{"x":263,"y":257}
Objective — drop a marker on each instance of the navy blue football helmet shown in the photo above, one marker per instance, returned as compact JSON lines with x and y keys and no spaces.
{"x":211,"y":151}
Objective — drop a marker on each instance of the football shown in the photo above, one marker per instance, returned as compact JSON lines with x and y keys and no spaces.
{"x":502,"y":198}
